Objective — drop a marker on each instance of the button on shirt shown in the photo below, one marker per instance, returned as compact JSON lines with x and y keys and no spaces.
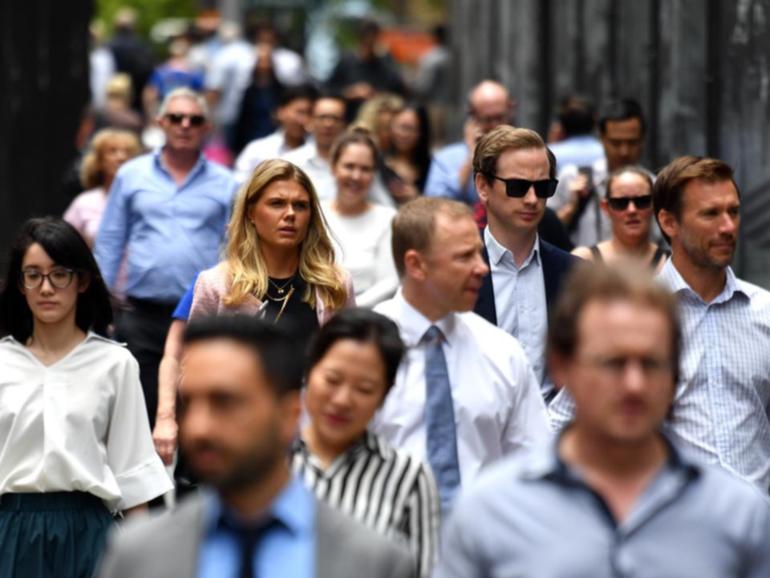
{"x":497,"y":403}
{"x":535,"y":516}
{"x":78,"y":424}
{"x":723,"y":396}
{"x":168,"y":231}
{"x":520,"y":299}
{"x":286,"y":549}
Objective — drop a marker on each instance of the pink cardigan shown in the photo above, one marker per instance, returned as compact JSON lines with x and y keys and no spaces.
{"x":213,"y":284}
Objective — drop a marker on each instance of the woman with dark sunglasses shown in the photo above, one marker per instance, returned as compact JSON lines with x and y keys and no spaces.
{"x":628,"y":204}
{"x":76,"y":444}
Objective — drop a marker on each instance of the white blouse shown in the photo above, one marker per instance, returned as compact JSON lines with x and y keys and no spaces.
{"x":362,"y":245}
{"x":79,"y":424}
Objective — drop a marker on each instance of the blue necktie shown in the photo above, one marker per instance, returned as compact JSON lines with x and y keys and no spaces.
{"x":440,"y":419}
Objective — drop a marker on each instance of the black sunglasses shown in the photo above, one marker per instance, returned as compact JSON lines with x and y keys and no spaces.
{"x":621,"y":203}
{"x":195,"y":119}
{"x":517,"y":188}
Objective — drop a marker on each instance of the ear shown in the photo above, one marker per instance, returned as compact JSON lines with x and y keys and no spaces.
{"x":414,"y":265}
{"x":668,"y":223}
{"x":604,"y":206}
{"x":84,"y":281}
{"x":291,"y":409}
{"x":482,"y":188}
{"x":558,"y":369}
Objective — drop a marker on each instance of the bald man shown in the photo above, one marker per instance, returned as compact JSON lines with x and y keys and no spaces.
{"x":451,"y":171}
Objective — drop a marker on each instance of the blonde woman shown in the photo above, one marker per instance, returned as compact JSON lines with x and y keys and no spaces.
{"x":110,"y":148}
{"x":279,"y":261}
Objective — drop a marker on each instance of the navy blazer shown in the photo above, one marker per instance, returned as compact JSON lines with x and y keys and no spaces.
{"x":556,"y":264}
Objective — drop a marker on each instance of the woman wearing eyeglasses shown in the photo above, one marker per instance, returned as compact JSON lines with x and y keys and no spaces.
{"x":279,"y":260}
{"x":76,"y":441}
{"x":628,"y":204}
{"x":352,"y":366}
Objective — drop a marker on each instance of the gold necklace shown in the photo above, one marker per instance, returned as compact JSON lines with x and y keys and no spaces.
{"x":281,"y":288}
{"x":285,"y":302}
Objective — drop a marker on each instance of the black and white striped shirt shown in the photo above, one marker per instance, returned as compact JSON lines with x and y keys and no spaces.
{"x":386,"y":489}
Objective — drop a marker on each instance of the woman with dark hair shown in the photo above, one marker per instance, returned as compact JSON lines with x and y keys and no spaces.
{"x":407,"y":159}
{"x":76,"y":441}
{"x":352,"y":366}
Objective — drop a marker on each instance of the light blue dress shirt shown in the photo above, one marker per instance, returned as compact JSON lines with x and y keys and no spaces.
{"x":285,"y":551}
{"x":443,"y":176}
{"x":520,"y":300}
{"x":533,"y":515}
{"x":583,"y":151}
{"x":168,"y":231}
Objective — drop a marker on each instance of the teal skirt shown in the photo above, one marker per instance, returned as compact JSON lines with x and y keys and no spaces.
{"x":51,"y":535}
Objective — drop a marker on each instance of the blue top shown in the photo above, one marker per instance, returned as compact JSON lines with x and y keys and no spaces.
{"x":583,"y":151}
{"x":533,"y":515}
{"x":443,"y":176}
{"x":286,"y":550}
{"x":166,"y":78}
{"x":169,"y":231}
{"x":182,"y":310}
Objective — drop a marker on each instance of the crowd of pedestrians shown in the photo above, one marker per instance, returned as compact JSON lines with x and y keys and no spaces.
{"x":288,"y":333}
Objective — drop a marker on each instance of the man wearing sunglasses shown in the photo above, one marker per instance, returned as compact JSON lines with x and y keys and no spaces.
{"x":166,"y":213}
{"x":514,"y":175}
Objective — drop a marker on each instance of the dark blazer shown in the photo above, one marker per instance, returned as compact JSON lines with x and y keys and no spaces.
{"x":556,"y":264}
{"x":167,"y":547}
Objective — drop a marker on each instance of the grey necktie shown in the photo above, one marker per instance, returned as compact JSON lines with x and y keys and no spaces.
{"x":440,"y":419}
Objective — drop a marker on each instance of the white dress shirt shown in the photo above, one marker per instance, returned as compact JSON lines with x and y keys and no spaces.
{"x":362,"y":245}
{"x":79,"y":424}
{"x":520,"y":299}
{"x":272,"y":146}
{"x":497,"y":403}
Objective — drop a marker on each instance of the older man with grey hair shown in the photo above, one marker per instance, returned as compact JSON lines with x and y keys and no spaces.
{"x":166,"y":214}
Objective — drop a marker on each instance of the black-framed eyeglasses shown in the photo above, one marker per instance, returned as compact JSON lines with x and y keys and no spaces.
{"x":517,"y":188}
{"x":621,"y":203}
{"x":195,"y":119}
{"x":60,"y":278}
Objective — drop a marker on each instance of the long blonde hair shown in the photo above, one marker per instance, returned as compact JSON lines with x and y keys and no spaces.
{"x":91,"y":169}
{"x":246,"y":266}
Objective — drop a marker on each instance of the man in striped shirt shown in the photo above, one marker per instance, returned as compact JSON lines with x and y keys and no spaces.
{"x":720,"y":411}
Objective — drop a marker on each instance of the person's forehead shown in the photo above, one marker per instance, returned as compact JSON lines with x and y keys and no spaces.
{"x":629,"y":183}
{"x":325,"y":105}
{"x":698,"y":192}
{"x":220,"y":363}
{"x":626,"y":128}
{"x":602,"y":320}
{"x":183,"y":104}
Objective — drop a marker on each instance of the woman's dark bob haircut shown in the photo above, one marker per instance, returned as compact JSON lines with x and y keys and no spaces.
{"x":66,"y":248}
{"x":365,"y":326}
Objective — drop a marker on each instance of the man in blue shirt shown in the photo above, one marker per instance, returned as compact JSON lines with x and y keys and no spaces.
{"x":613,"y":496}
{"x":450,"y":174}
{"x":166,"y":213}
{"x":579,"y":146}
{"x":240,"y":389}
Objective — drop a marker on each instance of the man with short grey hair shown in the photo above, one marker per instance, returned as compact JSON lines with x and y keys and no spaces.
{"x":167,"y":212}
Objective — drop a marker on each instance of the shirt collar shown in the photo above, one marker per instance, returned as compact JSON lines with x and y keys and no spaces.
{"x":547,"y":464}
{"x":414,"y":324}
{"x":497,"y":252}
{"x":199,"y":165}
{"x":676,"y":283}
{"x":291,"y":508}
